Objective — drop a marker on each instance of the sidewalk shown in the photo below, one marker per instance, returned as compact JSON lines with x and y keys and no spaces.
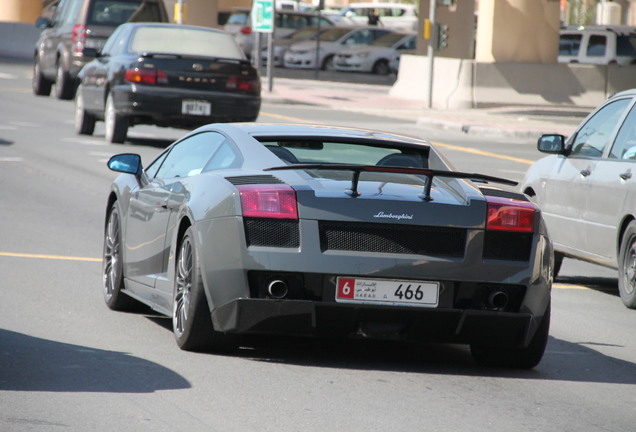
{"x":508,"y":121}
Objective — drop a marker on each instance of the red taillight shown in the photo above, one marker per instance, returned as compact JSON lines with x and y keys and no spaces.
{"x":246,"y":30}
{"x":146,"y":76}
{"x":236,"y":82}
{"x":505,"y":214}
{"x":268,"y":201}
{"x":78,"y":37}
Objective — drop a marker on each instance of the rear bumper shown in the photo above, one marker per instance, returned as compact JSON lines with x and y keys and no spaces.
{"x":163,"y":107}
{"x":321,"y":319}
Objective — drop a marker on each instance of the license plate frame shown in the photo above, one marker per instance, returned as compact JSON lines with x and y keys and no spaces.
{"x":196,"y":107}
{"x":395,"y":292}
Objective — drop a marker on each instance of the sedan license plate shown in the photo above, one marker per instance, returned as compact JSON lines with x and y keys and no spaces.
{"x":390,"y":292}
{"x":196,"y":107}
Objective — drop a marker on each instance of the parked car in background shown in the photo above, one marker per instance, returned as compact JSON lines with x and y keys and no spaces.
{"x":376,"y":56}
{"x":398,"y":16}
{"x":239,"y":24}
{"x":166,"y":75}
{"x":79,"y":24}
{"x":586,"y":189}
{"x":303,"y":54}
{"x":271,"y":229}
{"x":280,"y":46}
{"x":598,"y":45}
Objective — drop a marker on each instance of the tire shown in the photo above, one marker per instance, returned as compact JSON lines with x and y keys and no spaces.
{"x":64,"y":84}
{"x":518,"y":358}
{"x":191,"y":319}
{"x":381,"y":67}
{"x":41,"y":86}
{"x":627,"y":267}
{"x":327,"y":64}
{"x":116,"y":125}
{"x":84,"y":122}
{"x":112,"y":265}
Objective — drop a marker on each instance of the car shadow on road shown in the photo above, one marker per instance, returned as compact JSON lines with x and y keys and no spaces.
{"x":29,"y":363}
{"x":563,"y":361}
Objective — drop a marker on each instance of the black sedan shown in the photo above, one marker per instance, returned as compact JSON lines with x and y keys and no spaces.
{"x":253,"y":228}
{"x":166,"y":75}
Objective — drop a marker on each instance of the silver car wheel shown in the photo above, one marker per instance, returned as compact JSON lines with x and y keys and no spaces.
{"x":112,"y":259}
{"x":629,"y":269}
{"x":183,"y":288}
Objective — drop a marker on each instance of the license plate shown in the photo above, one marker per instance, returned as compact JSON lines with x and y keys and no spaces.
{"x":390,"y":292}
{"x":196,"y":107}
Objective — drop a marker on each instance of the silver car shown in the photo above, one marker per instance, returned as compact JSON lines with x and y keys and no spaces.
{"x":587,"y":192}
{"x":246,"y":228}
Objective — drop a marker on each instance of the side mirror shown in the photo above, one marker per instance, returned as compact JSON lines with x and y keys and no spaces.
{"x":90,"y":52}
{"x":127,"y":163}
{"x":553,"y":144}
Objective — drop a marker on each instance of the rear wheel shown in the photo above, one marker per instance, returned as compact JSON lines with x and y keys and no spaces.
{"x":191,"y":319}
{"x":558,"y":262}
{"x":84,"y":122}
{"x":64,"y":84}
{"x":627,"y":267}
{"x":116,"y":125}
{"x":520,"y":358}
{"x":41,"y":86}
{"x":112,"y":265}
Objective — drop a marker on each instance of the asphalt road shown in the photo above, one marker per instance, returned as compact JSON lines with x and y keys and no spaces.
{"x":68,"y":363}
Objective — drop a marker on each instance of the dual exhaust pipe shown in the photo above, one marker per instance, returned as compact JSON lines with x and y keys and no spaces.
{"x":497,"y":300}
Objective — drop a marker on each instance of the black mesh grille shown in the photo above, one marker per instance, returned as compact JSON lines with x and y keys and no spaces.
{"x":255,"y":179}
{"x":272,"y":232}
{"x":384,"y":238}
{"x":503,"y":245}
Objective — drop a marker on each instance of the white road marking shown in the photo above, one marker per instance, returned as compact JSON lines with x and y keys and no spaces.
{"x":11,"y":159}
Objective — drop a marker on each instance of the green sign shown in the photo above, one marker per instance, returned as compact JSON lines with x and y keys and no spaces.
{"x":263,"y":16}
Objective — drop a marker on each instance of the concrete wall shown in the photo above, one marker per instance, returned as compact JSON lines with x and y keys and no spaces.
{"x":18,"y":39}
{"x":465,"y":83}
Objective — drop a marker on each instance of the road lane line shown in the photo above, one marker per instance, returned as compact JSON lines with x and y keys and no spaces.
{"x":482,"y":153}
{"x":49,"y":257}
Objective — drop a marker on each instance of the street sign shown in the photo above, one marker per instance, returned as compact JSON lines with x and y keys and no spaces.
{"x":263,"y":16}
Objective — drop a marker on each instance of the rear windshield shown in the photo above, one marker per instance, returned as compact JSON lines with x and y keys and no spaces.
{"x":185,"y":41}
{"x":626,"y":45}
{"x":326,"y":152}
{"x":116,"y":12}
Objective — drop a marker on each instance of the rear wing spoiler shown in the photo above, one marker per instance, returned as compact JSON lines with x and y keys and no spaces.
{"x":428,"y":173}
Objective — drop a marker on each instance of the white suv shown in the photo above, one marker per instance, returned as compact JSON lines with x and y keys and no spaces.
{"x":397,"y":16}
{"x":598,"y":45}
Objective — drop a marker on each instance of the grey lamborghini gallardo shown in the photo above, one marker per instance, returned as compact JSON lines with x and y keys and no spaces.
{"x":240,"y":229}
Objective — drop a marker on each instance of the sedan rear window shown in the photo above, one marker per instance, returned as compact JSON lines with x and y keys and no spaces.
{"x":185,"y":41}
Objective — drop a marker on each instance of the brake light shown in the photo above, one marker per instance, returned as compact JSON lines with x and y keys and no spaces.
{"x":236,"y":82}
{"x":247,"y":30}
{"x":78,"y":38}
{"x":506,"y":214}
{"x":268,"y":201}
{"x":146,"y":76}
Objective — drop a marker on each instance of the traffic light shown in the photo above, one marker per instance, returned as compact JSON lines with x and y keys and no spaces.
{"x":442,"y":37}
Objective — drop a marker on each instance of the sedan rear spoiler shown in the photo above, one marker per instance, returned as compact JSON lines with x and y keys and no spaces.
{"x":428,"y":173}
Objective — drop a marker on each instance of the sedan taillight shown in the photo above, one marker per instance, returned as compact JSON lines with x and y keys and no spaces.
{"x":236,"y":82}
{"x":268,"y":201}
{"x":146,"y":76}
{"x":506,"y":214}
{"x":246,"y":30}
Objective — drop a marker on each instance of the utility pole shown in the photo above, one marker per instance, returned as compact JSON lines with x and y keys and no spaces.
{"x":431,"y":50}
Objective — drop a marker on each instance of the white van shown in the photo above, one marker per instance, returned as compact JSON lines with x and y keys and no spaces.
{"x":398,"y":16}
{"x":598,"y":45}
